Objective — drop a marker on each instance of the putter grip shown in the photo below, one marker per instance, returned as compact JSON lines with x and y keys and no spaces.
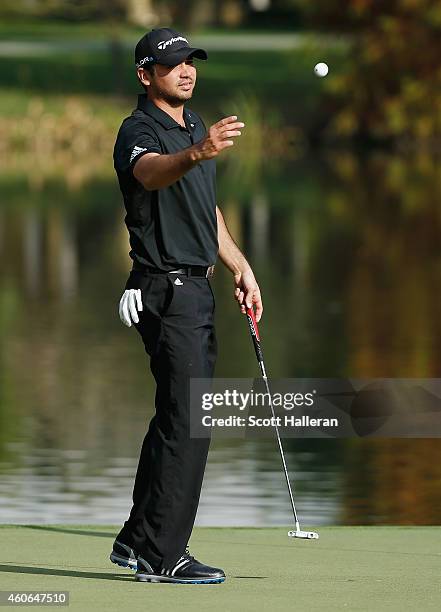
{"x":254,"y":330}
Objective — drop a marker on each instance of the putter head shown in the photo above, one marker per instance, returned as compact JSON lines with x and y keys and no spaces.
{"x":304,"y":535}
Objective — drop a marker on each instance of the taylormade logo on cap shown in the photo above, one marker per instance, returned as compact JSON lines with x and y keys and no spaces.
{"x":164,"y":43}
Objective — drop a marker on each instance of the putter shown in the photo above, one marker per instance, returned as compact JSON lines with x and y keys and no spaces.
{"x":297,"y":533}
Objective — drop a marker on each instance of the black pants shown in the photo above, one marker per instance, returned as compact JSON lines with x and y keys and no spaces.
{"x":177,"y":328}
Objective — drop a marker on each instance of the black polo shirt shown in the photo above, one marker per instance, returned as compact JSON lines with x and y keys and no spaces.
{"x":176,"y":225}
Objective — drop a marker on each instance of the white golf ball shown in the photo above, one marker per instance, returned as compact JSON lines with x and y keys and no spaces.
{"x":321,"y":69}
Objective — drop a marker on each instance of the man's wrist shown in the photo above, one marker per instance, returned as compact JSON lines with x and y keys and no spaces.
{"x":241,"y":268}
{"x":194,"y":154}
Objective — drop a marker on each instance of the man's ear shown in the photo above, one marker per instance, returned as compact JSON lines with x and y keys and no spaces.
{"x":143,"y":76}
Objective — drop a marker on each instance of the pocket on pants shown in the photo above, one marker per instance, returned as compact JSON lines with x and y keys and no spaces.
{"x":152,"y":291}
{"x":157,"y":294}
{"x":192,"y":302}
{"x":212,"y":295}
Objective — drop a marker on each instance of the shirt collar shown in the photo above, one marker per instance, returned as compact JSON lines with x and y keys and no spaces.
{"x":148,"y":107}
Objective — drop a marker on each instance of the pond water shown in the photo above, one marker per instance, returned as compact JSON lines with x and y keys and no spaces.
{"x":347,"y":252}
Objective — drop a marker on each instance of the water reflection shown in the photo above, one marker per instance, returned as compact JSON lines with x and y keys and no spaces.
{"x":347,"y":253}
{"x":243,"y":485}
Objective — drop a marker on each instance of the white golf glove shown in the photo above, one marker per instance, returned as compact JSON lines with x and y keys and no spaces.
{"x":129,"y":305}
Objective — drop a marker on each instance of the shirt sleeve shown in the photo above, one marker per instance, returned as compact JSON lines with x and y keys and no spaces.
{"x":133,"y":141}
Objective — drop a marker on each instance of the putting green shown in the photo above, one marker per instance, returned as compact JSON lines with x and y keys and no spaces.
{"x":353,"y":568}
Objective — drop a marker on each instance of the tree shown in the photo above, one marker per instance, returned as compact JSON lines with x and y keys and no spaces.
{"x":70,"y":10}
{"x":392,"y":88}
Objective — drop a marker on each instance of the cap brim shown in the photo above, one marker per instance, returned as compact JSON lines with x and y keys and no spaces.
{"x":182,"y":54}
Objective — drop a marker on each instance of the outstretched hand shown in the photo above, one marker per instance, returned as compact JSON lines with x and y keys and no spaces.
{"x":219,"y":137}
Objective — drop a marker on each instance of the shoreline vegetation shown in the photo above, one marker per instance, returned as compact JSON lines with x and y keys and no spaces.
{"x":380,"y":91}
{"x":68,"y":140}
{"x":73,"y":136}
{"x":57,"y":109}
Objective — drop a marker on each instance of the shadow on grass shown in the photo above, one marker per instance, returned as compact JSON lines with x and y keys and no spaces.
{"x":20,"y":569}
{"x":24,"y":569}
{"x":249,"y":577}
{"x":100,"y":534}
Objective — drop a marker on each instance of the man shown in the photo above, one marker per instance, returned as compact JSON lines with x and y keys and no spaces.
{"x":165,"y":161}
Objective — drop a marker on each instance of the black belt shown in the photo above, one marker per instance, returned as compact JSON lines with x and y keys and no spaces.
{"x":205,"y":271}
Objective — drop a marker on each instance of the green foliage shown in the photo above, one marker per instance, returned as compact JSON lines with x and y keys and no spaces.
{"x":392,"y":89}
{"x":69,"y":10}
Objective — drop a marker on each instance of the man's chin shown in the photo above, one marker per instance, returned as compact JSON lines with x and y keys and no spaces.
{"x":184,"y":95}
{"x":178,"y":98}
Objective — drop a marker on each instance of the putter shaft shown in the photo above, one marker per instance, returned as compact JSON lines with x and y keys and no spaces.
{"x":308,"y":535}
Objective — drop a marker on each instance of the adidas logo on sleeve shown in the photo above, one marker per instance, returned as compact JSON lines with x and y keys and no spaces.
{"x":136,"y":151}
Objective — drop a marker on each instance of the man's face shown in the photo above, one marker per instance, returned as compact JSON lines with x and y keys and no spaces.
{"x":173,"y":84}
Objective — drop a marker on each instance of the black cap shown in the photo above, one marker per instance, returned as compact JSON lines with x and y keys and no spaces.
{"x":165,"y":46}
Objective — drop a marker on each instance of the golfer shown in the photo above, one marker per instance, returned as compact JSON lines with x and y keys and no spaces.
{"x":165,"y":160}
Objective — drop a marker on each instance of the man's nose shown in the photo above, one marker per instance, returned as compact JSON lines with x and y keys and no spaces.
{"x":185,"y":68}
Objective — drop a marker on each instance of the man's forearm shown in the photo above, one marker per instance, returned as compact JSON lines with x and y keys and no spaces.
{"x":155,"y":171}
{"x":229,"y":252}
{"x":159,"y":171}
{"x":246,"y":290}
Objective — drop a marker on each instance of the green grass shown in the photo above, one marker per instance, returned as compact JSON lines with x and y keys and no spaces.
{"x":353,"y":568}
{"x":52,"y":30}
{"x":282,"y":81}
{"x":55,"y":30}
{"x":90,"y":72}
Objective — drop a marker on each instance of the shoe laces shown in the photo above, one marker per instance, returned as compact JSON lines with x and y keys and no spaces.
{"x":187,"y":555}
